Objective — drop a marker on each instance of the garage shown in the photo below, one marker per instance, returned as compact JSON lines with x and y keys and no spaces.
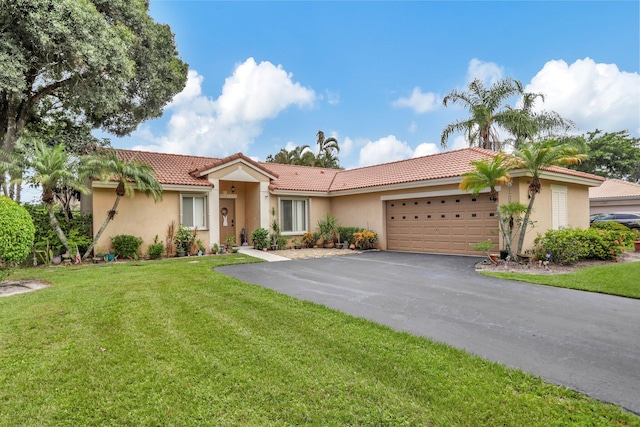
{"x":447,"y":224}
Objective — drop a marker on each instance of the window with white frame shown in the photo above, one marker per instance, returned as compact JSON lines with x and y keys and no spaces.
{"x":558,"y":206}
{"x":194,"y":211}
{"x":293,"y":215}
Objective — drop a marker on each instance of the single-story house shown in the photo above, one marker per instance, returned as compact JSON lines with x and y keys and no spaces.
{"x":413,"y":205}
{"x":614,"y":195}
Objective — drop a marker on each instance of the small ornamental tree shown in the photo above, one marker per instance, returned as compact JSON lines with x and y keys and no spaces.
{"x":16,"y":234}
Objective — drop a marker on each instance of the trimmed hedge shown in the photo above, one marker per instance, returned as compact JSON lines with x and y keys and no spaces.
{"x":16,"y":232}
{"x":571,"y":245}
{"x":126,"y":246}
{"x":622,"y":233}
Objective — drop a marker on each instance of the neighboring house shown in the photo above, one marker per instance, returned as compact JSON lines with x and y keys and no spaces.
{"x":615,"y":195}
{"x":413,"y":205}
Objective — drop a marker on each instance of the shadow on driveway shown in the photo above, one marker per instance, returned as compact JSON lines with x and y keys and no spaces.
{"x":586,"y":341}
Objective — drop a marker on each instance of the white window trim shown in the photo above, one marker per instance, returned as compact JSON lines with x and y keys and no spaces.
{"x":205,"y":196}
{"x":306,"y":215}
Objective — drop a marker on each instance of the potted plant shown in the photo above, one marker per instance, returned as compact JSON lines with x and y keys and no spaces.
{"x":328,"y":227}
{"x":230,"y":241}
{"x":260,"y":238}
{"x":636,"y":241}
{"x":215,"y":248}
{"x":183,"y":239}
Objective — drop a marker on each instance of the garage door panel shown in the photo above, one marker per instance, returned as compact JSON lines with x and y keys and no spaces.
{"x":450,"y":224}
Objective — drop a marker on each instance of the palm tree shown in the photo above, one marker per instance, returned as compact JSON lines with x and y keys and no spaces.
{"x":283,"y":157}
{"x":51,"y":168}
{"x":527,"y":125}
{"x":490,"y":173}
{"x":536,"y":157}
{"x":486,"y":110}
{"x":130,"y":176}
{"x":328,"y":149}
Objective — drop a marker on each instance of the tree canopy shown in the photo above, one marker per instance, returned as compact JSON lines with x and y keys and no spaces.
{"x":611,"y":155}
{"x":99,"y":63}
{"x":327,"y":157}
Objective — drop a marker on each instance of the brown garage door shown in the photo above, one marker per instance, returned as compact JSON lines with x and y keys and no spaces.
{"x":448,"y":224}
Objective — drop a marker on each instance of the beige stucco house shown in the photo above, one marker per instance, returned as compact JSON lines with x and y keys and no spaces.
{"x":413,"y":205}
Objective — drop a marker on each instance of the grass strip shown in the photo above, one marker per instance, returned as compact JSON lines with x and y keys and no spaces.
{"x":616,"y":279}
{"x":176,"y":343}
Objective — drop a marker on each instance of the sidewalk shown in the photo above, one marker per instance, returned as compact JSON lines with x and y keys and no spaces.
{"x":267,"y":256}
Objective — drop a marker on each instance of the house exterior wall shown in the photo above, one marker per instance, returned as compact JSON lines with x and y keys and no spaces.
{"x":577,"y":206}
{"x":138,"y":216}
{"x":622,"y":204}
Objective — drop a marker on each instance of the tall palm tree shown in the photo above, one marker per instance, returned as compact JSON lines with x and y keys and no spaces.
{"x":283,"y":157}
{"x":535,"y":158}
{"x":527,"y":125}
{"x":328,"y":149}
{"x":486,"y":109}
{"x":51,"y":168}
{"x":490,"y":173}
{"x":131,"y":176}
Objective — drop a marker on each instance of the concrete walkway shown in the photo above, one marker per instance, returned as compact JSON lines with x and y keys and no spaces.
{"x":267,"y":256}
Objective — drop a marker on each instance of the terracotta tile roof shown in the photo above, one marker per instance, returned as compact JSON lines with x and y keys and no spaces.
{"x":572,"y":172}
{"x":436,"y":166}
{"x":301,"y":178}
{"x":178,"y":169}
{"x":219,"y":162}
{"x":615,"y":188}
{"x":171,"y":169}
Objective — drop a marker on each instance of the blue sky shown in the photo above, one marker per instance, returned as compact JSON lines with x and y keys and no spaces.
{"x":267,"y":75}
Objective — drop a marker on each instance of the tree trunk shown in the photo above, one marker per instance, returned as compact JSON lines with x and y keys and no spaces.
{"x":109,"y":217}
{"x":525,"y":221}
{"x":56,"y":226}
{"x":506,"y":236}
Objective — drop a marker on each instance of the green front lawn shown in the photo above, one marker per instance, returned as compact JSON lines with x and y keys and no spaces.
{"x":176,"y":343}
{"x":615,"y":279}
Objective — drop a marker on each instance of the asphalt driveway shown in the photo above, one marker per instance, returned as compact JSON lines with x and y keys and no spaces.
{"x":586,"y":341}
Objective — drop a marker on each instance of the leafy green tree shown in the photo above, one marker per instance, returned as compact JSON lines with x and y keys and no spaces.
{"x":534,"y":158}
{"x":102,"y":63}
{"x":130,"y":176}
{"x":612,"y":155}
{"x":490,"y":173}
{"x":16,"y":234}
{"x":301,"y":156}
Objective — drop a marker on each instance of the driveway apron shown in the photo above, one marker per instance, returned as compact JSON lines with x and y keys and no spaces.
{"x":586,"y":341}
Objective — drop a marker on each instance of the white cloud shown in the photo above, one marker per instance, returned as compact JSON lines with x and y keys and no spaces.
{"x":425,"y":149}
{"x":333,"y":98}
{"x":593,"y":95}
{"x":413,"y":127}
{"x":384,"y":150}
{"x":458,"y":143}
{"x":418,"y":101}
{"x":487,"y":72}
{"x":252,"y":94}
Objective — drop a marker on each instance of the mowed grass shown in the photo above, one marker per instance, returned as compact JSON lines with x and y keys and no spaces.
{"x":616,"y":279}
{"x":174,"y":343}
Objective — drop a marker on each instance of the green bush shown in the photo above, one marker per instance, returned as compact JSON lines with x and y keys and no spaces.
{"x":78,"y":230}
{"x":126,"y":246}
{"x":16,"y":232}
{"x":260,"y":238}
{"x":347,"y":234}
{"x":621,"y":233}
{"x":155,"y":249}
{"x":365,"y":239}
{"x":571,"y":245}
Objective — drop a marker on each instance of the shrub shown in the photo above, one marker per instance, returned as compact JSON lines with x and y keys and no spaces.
{"x":260,"y":238}
{"x":16,"y":233}
{"x":184,"y":238}
{"x":621,"y":233}
{"x":347,"y":234}
{"x":570,"y":245}
{"x":328,"y":227}
{"x":78,"y":230}
{"x":126,"y":246}
{"x":155,"y":249}
{"x":307,"y":239}
{"x":365,"y":239}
